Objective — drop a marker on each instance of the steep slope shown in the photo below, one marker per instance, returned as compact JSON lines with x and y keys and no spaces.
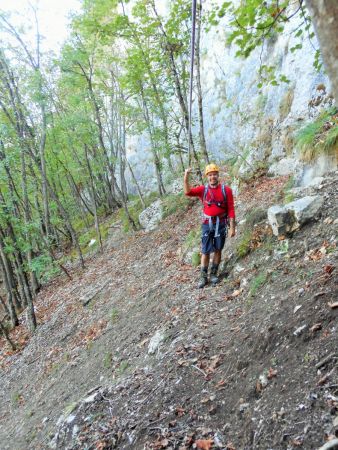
{"x":129,"y":354}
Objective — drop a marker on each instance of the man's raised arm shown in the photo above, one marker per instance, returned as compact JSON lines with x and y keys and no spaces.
{"x":186,"y":185}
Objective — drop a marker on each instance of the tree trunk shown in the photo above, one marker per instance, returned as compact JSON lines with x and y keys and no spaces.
{"x":8,"y":339}
{"x":13,"y":303}
{"x":199,"y":86}
{"x":97,"y":227}
{"x":136,"y":184}
{"x":182,"y":101}
{"x":325,"y":19}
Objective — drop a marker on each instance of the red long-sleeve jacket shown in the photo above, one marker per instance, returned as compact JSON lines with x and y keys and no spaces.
{"x":215,"y":195}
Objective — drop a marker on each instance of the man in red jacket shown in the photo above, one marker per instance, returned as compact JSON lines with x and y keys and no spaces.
{"x":218,"y":213}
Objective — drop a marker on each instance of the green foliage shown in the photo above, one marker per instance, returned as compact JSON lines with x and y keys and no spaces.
{"x":108,"y":360}
{"x":319,"y":137}
{"x":174,"y":203}
{"x":114,"y":315}
{"x":193,"y":237}
{"x":196,"y":259}
{"x":70,"y":408}
{"x":16,"y":398}
{"x":254,"y":24}
{"x":257,"y":282}
{"x":124,"y":365}
{"x":243,"y":243}
{"x":255,"y":216}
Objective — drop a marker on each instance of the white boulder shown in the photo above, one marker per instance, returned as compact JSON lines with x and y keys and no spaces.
{"x":290,"y":217}
{"x":151,"y":216}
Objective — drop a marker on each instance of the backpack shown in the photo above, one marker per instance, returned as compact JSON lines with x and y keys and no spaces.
{"x":219,"y":204}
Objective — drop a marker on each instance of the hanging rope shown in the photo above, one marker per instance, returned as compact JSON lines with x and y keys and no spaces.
{"x":192,"y":57}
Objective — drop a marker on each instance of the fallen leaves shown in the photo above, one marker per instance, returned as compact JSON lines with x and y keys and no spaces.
{"x":316,"y":327}
{"x":235,"y":294}
{"x":179,"y":411}
{"x":204,"y":444}
{"x":333,"y":305}
{"x":272,"y":373}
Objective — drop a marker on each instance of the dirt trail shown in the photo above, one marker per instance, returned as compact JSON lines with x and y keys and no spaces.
{"x":230,"y":369}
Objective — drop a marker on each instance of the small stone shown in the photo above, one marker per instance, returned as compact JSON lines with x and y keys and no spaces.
{"x":243,"y":407}
{"x":299,"y":330}
{"x":263,"y":380}
{"x":91,"y":398}
{"x":297,"y":308}
{"x":71,"y":418}
{"x":218,"y":440}
{"x":301,"y":407}
{"x":281,"y":412}
{"x":156,"y":341}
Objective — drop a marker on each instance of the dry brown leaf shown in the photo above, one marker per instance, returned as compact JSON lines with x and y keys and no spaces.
{"x":297,"y":442}
{"x":220,"y":384}
{"x":237,"y":292}
{"x":259,"y":386}
{"x":316,"y":327}
{"x":230,"y":446}
{"x":272,"y":373}
{"x":329,"y":268}
{"x":333,"y":305}
{"x":180,"y":411}
{"x":204,"y":444}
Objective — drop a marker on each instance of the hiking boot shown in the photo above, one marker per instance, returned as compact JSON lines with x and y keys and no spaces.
{"x":213,"y":275}
{"x":203,"y":278}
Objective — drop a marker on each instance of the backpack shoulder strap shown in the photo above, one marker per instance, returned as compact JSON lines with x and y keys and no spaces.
{"x":224,"y":193}
{"x":206,"y":188}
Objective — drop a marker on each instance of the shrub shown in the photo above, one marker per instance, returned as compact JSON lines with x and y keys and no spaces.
{"x":319,"y":137}
{"x":257,"y":283}
{"x":253,"y":217}
{"x":173,"y":203}
{"x":196,"y":259}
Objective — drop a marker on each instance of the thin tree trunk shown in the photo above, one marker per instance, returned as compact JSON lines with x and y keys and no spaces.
{"x":203,"y":145}
{"x":10,"y":285}
{"x":27,"y":216}
{"x":178,"y":88}
{"x":157,"y":163}
{"x":97,"y":227}
{"x":5,"y":333}
{"x":136,"y":183}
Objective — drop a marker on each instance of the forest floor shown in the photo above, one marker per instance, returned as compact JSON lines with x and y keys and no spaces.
{"x":130,"y":354}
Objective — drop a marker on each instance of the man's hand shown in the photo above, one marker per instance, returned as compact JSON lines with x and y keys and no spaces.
{"x":232,"y":231}
{"x":187,"y":172}
{"x":232,"y":228}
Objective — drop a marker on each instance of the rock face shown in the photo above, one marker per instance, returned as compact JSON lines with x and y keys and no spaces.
{"x":290,"y":217}
{"x":286,"y":166}
{"x":151,"y":216}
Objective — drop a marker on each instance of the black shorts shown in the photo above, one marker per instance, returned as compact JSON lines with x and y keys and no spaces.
{"x":210,"y":243}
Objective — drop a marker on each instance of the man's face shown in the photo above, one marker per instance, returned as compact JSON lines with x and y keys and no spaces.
{"x":213,"y":178}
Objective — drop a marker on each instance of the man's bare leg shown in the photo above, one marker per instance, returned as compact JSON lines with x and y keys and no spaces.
{"x":217,"y":257}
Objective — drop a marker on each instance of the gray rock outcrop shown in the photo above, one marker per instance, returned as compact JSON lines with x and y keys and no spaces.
{"x":151,"y":216}
{"x":290,"y":217}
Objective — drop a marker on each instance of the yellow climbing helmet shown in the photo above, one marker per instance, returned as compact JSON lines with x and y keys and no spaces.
{"x":211,"y":168}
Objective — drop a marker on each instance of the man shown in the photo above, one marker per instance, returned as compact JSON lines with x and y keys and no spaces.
{"x":218,"y":212}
